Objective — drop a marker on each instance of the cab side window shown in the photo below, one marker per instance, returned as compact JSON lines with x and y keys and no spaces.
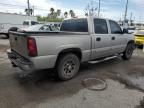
{"x":115,"y":28}
{"x":100,"y":26}
{"x":75,"y":25}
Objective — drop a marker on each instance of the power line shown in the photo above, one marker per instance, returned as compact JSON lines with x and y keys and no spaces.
{"x":12,"y":5}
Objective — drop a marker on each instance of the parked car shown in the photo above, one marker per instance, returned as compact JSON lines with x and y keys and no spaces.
{"x":79,"y":40}
{"x":139,"y":38}
{"x":11,"y":22}
{"x":39,"y":27}
{"x":131,"y":30}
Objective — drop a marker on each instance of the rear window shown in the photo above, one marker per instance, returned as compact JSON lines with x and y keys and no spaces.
{"x":75,"y":25}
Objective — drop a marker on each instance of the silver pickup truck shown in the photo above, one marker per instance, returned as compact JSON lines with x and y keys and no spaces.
{"x":79,"y":40}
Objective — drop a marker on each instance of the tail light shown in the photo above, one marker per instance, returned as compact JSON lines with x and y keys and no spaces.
{"x":32,"y":48}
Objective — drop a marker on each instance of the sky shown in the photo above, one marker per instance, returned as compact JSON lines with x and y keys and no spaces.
{"x":113,"y":9}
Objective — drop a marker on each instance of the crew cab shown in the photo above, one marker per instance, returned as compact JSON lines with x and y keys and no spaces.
{"x":79,"y":40}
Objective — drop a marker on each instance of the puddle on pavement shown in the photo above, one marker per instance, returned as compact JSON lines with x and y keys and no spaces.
{"x":138,"y":82}
{"x":133,"y":82}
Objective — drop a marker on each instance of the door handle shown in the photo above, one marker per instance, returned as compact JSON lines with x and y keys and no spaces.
{"x":113,"y":38}
{"x":98,"y":39}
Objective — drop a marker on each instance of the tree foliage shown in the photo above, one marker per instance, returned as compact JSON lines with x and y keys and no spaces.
{"x":66,"y":14}
{"x":55,"y":16}
{"x":72,"y":14}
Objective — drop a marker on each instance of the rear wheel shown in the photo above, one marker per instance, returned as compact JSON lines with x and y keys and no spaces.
{"x":68,"y":66}
{"x":127,"y":54}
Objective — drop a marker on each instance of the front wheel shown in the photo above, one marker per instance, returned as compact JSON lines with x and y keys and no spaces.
{"x":140,"y":46}
{"x":127,"y":54}
{"x":68,"y":66}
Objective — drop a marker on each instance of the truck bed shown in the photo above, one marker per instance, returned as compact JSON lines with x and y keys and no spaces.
{"x":49,"y":43}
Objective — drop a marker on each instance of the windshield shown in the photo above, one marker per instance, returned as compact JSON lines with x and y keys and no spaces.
{"x":53,"y":28}
{"x":45,"y":28}
{"x":34,"y":28}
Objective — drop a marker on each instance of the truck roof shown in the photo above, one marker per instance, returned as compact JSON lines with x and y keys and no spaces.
{"x":87,"y":18}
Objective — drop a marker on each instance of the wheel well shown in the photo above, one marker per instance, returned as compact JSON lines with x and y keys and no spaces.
{"x":131,"y":41}
{"x":75,"y":51}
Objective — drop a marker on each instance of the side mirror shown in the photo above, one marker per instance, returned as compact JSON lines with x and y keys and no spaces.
{"x":125,"y":31}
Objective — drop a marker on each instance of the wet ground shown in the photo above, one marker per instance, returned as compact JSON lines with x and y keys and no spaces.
{"x":43,"y":90}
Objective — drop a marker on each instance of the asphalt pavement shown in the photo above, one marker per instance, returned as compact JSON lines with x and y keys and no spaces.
{"x":42,"y":90}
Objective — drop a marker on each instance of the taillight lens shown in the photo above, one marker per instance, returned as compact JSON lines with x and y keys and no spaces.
{"x":32,"y":48}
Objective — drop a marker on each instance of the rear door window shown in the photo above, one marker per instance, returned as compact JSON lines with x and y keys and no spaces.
{"x":100,"y":26}
{"x":75,"y":25}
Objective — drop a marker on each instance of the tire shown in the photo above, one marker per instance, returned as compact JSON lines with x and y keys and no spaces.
{"x":68,"y":66}
{"x":13,"y":65}
{"x":140,"y":46}
{"x":127,"y":54}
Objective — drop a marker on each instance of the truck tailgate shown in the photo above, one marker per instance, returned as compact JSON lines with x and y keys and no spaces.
{"x":18,"y":43}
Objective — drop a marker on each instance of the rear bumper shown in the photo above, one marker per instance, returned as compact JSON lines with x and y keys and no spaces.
{"x":32,"y":64}
{"x":19,"y":61}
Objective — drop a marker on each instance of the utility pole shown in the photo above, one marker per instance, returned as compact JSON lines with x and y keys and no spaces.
{"x":131,"y":18}
{"x":33,"y":10}
{"x":126,"y":11}
{"x":99,"y":8}
{"x":28,"y":7}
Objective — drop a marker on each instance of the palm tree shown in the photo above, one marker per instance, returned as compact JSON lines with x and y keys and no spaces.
{"x":52,"y":10}
{"x":72,"y":14}
{"x":86,"y":14}
{"x":66,"y":14}
{"x":29,"y":11}
{"x":58,"y":12}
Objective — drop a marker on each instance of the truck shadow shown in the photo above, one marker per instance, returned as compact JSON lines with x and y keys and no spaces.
{"x":50,"y":75}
